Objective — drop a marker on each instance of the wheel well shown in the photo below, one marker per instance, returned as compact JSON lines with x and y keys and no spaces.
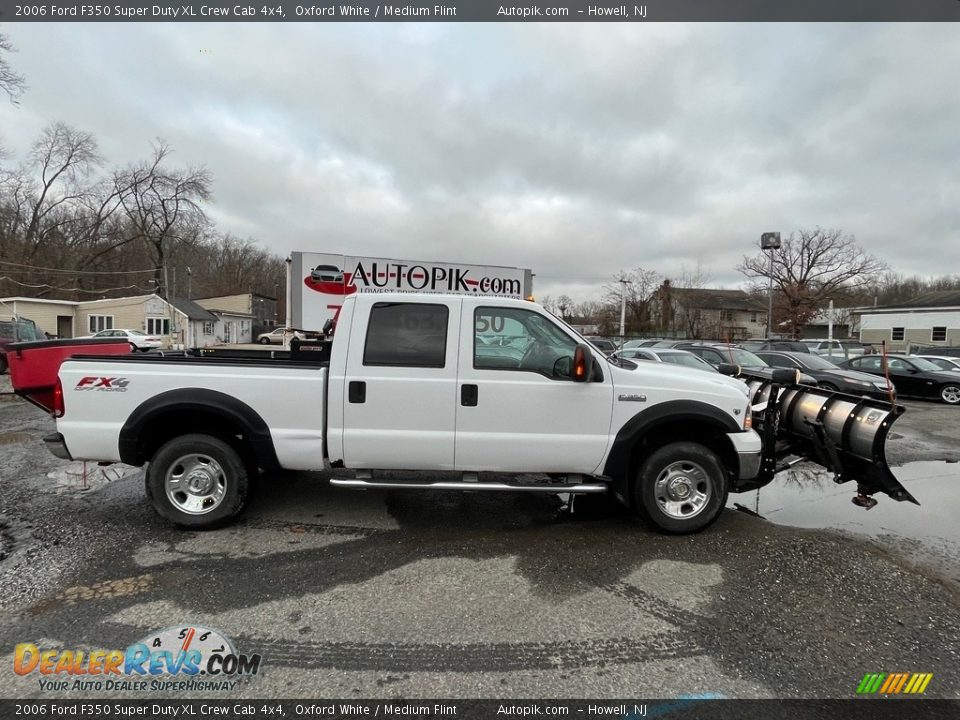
{"x":704,"y":432}
{"x":165,"y":426}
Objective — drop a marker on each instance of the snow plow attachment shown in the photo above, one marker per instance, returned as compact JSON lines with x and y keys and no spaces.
{"x":846,"y":434}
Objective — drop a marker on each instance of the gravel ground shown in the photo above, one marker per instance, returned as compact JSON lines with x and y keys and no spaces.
{"x":381,"y":594}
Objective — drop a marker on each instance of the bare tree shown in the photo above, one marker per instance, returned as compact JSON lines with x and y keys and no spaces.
{"x":12,"y":83}
{"x":639,"y":287}
{"x":811,"y":267}
{"x":163,"y":206}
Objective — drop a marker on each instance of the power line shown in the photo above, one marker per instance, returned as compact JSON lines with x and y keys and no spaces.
{"x":75,"y":272}
{"x":75,"y":289}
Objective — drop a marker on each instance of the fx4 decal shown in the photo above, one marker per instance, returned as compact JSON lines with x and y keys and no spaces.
{"x":101,"y":384}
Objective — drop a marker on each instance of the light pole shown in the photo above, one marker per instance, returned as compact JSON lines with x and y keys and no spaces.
{"x":623,"y":306}
{"x":770,"y":241}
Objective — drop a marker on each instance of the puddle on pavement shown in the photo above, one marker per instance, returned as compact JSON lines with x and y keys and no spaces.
{"x":928,"y":535}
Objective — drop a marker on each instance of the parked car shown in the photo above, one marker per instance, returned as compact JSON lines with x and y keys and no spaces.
{"x":16,"y":330}
{"x":276,"y":336}
{"x":674,"y":357}
{"x":788,"y":345}
{"x":834,"y":348}
{"x":944,"y":362}
{"x":648,"y":342}
{"x":913,"y":376}
{"x":828,"y":375}
{"x":718,"y":354}
{"x":140,"y":340}
{"x":603,"y":345}
{"x":938,"y":351}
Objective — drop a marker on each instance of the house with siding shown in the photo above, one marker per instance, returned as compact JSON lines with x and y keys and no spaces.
{"x":927,"y":320}
{"x":235,"y":310}
{"x":706,"y":313}
{"x":178,"y":322}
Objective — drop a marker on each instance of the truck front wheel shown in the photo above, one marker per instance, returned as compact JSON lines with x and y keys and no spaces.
{"x":680,"y":488}
{"x":197,"y":482}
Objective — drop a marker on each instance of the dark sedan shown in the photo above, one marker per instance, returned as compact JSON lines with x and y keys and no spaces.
{"x":718,"y":354}
{"x":828,"y":375}
{"x":913,"y":376}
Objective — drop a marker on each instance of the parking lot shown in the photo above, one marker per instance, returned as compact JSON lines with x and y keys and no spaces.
{"x":384,"y":594}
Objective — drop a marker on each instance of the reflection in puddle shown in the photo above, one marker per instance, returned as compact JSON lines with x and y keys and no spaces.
{"x":928,"y":535}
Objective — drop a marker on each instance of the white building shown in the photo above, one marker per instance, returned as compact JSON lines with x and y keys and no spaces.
{"x":928,"y":320}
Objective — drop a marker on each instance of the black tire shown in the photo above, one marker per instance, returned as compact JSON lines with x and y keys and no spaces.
{"x":264,"y":341}
{"x":690,"y":468}
{"x":950,"y":393}
{"x":224,"y":482}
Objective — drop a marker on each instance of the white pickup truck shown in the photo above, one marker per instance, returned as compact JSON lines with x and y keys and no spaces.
{"x":466,"y":384}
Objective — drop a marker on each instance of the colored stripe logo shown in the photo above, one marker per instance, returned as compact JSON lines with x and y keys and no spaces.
{"x":894,"y":683}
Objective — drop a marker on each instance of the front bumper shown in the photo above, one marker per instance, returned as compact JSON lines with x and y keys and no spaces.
{"x":749,"y":447}
{"x":57,"y":446}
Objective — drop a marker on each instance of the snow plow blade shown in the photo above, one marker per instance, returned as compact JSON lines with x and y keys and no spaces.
{"x":846,"y":434}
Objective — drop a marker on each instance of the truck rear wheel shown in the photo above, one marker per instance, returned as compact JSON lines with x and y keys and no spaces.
{"x":680,"y":488}
{"x":198,"y":482}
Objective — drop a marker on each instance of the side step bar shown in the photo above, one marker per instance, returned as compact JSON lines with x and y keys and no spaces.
{"x":582,"y":488}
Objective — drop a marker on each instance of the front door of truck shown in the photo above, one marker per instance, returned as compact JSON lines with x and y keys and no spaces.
{"x":400,"y":385}
{"x":517,"y":407}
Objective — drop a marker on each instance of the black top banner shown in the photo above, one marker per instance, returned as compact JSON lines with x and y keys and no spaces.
{"x":484,"y":11}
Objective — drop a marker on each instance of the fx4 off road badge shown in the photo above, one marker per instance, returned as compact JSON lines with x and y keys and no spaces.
{"x":103,"y":384}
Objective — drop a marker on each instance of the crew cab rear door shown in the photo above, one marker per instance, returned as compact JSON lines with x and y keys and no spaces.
{"x":516,"y":410}
{"x":399,"y":390}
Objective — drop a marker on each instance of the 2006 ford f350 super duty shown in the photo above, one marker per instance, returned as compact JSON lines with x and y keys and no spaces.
{"x":457,"y":383}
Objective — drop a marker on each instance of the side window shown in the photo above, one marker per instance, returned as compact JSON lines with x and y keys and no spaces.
{"x":898,"y":364}
{"x":516,"y":339}
{"x":406,"y":335}
{"x":869,"y":363}
{"x":780,"y":361}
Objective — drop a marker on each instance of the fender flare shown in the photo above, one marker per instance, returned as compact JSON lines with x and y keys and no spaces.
{"x":645,"y":421}
{"x":235,"y":411}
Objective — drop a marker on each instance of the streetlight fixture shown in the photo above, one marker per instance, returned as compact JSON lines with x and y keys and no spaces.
{"x":770,"y":241}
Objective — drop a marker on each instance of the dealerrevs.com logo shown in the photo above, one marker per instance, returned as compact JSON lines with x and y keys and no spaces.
{"x":103,"y":384}
{"x":191,"y":658}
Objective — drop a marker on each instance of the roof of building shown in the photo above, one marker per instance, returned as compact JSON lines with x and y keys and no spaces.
{"x":192,"y":310}
{"x":231,"y":313}
{"x":939,"y":299}
{"x":716,"y":299}
{"x":251,"y":294}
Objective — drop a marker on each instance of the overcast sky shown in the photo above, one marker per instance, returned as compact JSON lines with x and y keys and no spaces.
{"x":574,"y":150}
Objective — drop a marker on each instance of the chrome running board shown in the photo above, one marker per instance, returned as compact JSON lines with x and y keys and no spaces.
{"x":582,"y":488}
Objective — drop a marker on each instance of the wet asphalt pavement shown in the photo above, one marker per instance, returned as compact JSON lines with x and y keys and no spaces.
{"x":386,"y":594}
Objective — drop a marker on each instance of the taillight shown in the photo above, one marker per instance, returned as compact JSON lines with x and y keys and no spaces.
{"x":58,"y":408}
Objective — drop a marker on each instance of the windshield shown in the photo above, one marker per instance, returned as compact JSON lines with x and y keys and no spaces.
{"x":922,"y":364}
{"x":678,"y":358}
{"x":739,"y":356}
{"x":134,"y":332}
{"x":815,"y":362}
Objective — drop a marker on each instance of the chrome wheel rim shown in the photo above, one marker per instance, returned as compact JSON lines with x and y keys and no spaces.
{"x":951,"y":394}
{"x":195,"y":484}
{"x":682,"y":490}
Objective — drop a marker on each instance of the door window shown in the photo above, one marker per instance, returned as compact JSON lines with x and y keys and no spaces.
{"x":516,"y":339}
{"x":407,"y":335}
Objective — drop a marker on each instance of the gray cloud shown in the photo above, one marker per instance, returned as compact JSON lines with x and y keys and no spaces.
{"x":573,"y":149}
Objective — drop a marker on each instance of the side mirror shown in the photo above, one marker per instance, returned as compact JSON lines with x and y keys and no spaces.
{"x":582,"y":363}
{"x":728,"y":369}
